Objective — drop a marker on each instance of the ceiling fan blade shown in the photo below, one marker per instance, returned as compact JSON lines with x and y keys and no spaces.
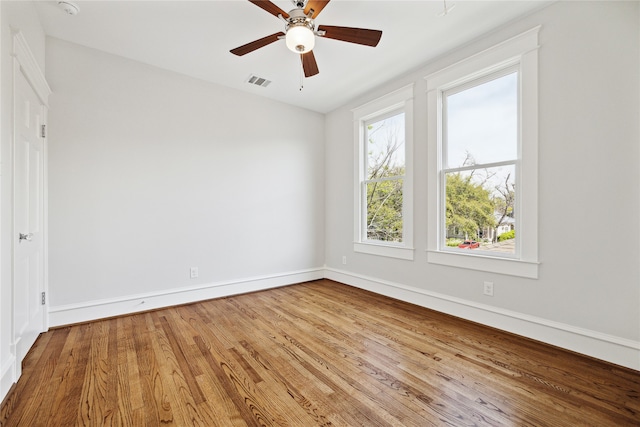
{"x":270,"y":7}
{"x":317,"y":6}
{"x":352,"y":35}
{"x":250,"y":47}
{"x":309,"y":64}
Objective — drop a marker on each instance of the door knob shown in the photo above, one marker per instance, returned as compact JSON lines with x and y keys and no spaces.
{"x":26,"y":237}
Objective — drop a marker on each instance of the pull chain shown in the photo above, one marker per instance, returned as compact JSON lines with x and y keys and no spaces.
{"x":301,"y":74}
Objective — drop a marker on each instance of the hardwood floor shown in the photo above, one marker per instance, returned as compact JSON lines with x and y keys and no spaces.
{"x":313,"y":354}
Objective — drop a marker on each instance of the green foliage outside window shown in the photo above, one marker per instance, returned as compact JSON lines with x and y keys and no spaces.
{"x":384,"y":209}
{"x":469,"y":207}
{"x":384,"y":181}
{"x":506,"y":236}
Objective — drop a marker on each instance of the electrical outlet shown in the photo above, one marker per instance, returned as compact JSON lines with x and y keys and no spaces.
{"x":193,"y":272}
{"x":488,"y":288}
{"x":344,"y":260}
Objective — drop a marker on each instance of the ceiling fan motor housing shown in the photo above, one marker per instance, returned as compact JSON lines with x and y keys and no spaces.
{"x":300,"y":31}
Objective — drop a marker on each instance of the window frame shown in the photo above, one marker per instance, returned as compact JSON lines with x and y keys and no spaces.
{"x":515,"y":162}
{"x":399,"y":101}
{"x":519,"y":52}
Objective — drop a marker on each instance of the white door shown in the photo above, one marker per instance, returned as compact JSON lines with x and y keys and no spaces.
{"x":28,"y":308}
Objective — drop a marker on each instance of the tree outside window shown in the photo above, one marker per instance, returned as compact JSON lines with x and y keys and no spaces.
{"x":482,"y":145}
{"x":480,"y":152}
{"x":385,"y":171}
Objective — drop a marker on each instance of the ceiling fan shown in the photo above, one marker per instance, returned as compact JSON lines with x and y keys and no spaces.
{"x":300,"y":32}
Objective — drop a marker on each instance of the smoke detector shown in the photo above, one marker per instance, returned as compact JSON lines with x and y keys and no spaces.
{"x":69,"y":7}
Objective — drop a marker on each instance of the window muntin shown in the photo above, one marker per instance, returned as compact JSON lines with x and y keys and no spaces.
{"x":480,"y":146}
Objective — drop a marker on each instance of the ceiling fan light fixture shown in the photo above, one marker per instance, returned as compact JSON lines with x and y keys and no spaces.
{"x":300,"y":39}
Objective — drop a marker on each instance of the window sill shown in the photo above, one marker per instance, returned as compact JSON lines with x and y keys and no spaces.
{"x":512,"y":267}
{"x":380,"y":249}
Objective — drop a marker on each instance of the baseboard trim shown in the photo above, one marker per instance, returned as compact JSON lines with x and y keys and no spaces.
{"x":620,"y":351}
{"x":100,"y":309}
{"x":7,"y":374}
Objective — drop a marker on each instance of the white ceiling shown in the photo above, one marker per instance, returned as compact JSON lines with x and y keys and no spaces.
{"x":194,"y":38}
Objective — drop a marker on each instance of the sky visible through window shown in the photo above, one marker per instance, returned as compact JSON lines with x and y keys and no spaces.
{"x":482,"y":132}
{"x":385,"y":143}
{"x":483,"y":122}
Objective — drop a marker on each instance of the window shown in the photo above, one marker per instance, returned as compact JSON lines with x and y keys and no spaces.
{"x":383,"y":196}
{"x":479,"y":164}
{"x":482,"y":122}
{"x":384,"y":174}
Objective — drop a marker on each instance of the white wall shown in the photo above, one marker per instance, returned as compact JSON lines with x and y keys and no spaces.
{"x":151,"y":173}
{"x":589,"y":284}
{"x":14,"y":16}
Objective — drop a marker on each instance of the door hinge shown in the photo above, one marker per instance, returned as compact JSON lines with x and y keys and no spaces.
{"x":44,"y":299}
{"x":43,"y":131}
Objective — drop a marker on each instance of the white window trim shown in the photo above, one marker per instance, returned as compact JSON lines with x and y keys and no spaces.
{"x":521,"y":50}
{"x":401,"y":99}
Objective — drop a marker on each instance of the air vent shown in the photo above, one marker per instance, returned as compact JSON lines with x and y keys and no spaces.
{"x":258,"y":81}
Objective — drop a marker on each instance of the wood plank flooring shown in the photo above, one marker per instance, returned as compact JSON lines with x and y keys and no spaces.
{"x":314,"y":354}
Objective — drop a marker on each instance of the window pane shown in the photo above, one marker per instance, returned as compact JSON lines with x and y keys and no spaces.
{"x":385,"y":147}
{"x":480,"y":207}
{"x":384,"y":210}
{"x":482,"y":123}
